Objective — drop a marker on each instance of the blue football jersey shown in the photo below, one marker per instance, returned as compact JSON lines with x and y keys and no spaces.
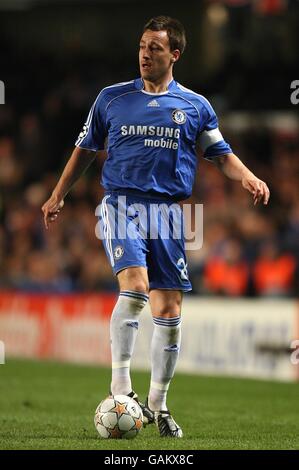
{"x":151,"y":137}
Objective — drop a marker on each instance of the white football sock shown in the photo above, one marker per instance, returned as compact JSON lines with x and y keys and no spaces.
{"x":164,"y":354}
{"x":123,"y":332}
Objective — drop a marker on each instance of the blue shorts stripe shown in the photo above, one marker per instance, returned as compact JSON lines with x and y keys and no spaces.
{"x":107,"y":229}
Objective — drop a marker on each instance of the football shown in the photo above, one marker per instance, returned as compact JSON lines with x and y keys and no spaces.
{"x":118,"y":417}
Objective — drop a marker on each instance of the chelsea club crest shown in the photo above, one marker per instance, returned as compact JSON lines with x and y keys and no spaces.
{"x":179,"y":116}
{"x":118,"y":252}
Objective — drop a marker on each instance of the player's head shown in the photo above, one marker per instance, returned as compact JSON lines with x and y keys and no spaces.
{"x":161,"y":45}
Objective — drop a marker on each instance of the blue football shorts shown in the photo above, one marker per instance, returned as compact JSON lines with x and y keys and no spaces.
{"x":145,"y":231}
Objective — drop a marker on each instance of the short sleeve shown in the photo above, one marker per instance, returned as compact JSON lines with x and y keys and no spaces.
{"x":93,"y":134}
{"x":210,"y":138}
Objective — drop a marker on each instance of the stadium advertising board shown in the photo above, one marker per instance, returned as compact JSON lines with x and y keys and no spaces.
{"x":248,"y":338}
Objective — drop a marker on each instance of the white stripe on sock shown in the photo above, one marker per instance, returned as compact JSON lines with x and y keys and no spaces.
{"x":157,"y":386}
{"x":120,"y":364}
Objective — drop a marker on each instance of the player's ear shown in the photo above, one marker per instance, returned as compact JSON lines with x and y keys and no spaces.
{"x":175,"y":56}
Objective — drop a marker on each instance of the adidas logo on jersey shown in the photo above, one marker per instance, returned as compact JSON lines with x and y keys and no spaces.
{"x":154,"y":104}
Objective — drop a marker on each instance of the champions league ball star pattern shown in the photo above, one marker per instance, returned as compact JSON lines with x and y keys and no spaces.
{"x":118,"y":417}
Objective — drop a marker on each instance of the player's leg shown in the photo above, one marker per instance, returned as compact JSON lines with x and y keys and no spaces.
{"x":168,"y":278}
{"x":165,"y":346}
{"x":133,"y":296}
{"x":127,"y":255}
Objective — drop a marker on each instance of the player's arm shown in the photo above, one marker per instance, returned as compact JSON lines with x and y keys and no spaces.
{"x":232,"y":167}
{"x":90,"y":141}
{"x":79,"y":161}
{"x":218,"y":151}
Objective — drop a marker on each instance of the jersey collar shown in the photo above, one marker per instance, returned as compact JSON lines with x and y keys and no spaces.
{"x":140,"y":86}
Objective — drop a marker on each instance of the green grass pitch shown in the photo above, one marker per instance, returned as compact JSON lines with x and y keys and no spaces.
{"x":46,"y":405}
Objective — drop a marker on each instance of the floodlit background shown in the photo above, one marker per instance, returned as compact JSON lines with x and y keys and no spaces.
{"x":56,"y":56}
{"x":57,"y":288}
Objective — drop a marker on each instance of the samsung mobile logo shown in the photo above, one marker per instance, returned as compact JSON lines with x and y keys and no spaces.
{"x":158,"y":131}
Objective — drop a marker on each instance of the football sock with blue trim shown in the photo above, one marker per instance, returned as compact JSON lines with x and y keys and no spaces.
{"x":123,"y":333}
{"x":165,"y":348}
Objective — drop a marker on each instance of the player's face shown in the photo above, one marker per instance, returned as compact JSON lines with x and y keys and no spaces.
{"x":155,"y":56}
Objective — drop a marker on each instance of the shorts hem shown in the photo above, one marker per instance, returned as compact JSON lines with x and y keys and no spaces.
{"x":186,"y":289}
{"x":115,"y":272}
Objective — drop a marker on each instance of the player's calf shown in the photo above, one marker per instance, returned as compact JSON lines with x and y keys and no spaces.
{"x":123,"y":331}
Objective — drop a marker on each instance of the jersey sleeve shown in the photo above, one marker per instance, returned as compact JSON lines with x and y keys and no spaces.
{"x":210,"y":138}
{"x":93,"y":134}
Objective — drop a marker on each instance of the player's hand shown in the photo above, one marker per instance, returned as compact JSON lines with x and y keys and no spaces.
{"x":51,"y":209}
{"x":257,"y":188}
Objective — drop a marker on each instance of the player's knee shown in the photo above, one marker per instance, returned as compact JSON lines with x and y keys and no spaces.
{"x":169,"y":309}
{"x":135,"y":285}
{"x":134,"y":280}
{"x":139,"y":286}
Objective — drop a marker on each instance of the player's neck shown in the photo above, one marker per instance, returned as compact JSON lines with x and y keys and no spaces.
{"x":158,"y":86}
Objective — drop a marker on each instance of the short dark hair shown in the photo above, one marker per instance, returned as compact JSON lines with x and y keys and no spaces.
{"x":175,"y":31}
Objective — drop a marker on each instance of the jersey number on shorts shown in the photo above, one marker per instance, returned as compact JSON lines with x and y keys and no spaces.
{"x":183,"y":268}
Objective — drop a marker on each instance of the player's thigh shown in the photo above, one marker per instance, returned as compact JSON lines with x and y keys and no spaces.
{"x":167,"y":265}
{"x":134,"y":279}
{"x":166,"y":303}
{"x":126,"y":254}
{"x":166,"y":258}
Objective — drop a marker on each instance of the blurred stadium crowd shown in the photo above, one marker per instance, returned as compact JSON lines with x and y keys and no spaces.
{"x":247,"y":250}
